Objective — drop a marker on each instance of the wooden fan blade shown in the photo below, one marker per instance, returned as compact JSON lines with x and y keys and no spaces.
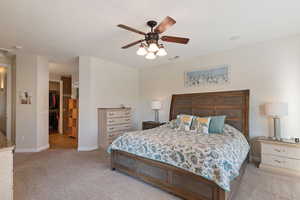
{"x":175,"y":39}
{"x":131,"y":29}
{"x":164,"y":25}
{"x":132,"y":44}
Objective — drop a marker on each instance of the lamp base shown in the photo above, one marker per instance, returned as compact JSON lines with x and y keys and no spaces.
{"x":156,"y":118}
{"x":277,"y":132}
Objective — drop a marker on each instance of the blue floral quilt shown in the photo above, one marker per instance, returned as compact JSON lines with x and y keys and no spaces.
{"x":216,"y":157}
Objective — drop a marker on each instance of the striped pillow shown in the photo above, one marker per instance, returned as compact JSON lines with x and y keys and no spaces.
{"x":201,"y":125}
{"x":185,"y":122}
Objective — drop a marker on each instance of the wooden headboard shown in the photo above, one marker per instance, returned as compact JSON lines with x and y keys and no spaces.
{"x":233,"y":104}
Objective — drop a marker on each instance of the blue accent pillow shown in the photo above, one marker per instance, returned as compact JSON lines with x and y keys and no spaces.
{"x":217,"y":124}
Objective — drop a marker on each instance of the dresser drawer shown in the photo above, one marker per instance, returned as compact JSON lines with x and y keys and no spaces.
{"x":274,"y":161}
{"x":112,"y":134}
{"x":113,"y":121}
{"x":280,"y":150}
{"x":275,"y":150}
{"x":121,"y":127}
{"x":286,"y":163}
{"x":119,"y":113}
{"x":293,"y":152}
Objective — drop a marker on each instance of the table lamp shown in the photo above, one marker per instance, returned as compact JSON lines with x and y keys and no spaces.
{"x":156,"y":106}
{"x":277,"y":110}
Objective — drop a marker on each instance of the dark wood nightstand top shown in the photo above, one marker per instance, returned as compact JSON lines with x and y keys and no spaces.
{"x":151,"y":124}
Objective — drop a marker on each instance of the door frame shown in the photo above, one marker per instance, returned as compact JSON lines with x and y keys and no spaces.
{"x":8,"y":100}
{"x":60,"y":122}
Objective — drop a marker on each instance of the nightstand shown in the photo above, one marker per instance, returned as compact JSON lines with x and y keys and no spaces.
{"x":151,"y":124}
{"x":280,"y":156}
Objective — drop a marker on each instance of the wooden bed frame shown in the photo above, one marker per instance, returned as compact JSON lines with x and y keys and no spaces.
{"x":233,"y":104}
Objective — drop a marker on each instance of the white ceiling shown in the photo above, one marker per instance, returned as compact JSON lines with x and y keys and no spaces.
{"x":64,"y":29}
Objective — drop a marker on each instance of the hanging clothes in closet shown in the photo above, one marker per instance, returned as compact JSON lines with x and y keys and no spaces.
{"x":53,"y":110}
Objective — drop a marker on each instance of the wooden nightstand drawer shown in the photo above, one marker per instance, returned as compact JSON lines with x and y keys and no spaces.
{"x":275,"y":150}
{"x":281,"y":150}
{"x":280,"y":156}
{"x":274,"y":161}
{"x":281,"y":162}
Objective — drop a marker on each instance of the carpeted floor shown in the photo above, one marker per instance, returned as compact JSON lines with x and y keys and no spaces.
{"x":70,"y":175}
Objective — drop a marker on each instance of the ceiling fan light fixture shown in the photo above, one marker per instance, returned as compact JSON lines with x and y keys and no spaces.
{"x":142,"y":50}
{"x":162,"y":51}
{"x":150,"y":56}
{"x":153,"y":47}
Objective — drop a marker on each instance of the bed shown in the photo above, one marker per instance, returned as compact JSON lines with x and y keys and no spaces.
{"x":178,"y":180}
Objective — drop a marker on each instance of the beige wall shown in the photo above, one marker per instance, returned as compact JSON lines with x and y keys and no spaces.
{"x":271,"y":70}
{"x":103,"y":84}
{"x":32,"y":119}
{"x":5,"y":60}
{"x":26,"y":74}
{"x":42,"y":102}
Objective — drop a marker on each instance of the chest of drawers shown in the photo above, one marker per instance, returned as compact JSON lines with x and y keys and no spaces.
{"x":281,"y":156}
{"x":112,"y":122}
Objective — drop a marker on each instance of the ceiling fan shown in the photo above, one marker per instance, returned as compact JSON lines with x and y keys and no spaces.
{"x":150,"y":45}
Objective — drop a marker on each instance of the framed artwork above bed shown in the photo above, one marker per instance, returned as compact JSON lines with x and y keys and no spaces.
{"x":212,"y":76}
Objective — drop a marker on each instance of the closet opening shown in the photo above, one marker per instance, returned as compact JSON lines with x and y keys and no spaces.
{"x":63,"y":106}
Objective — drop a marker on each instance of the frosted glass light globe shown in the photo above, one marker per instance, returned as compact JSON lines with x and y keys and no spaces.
{"x":162,"y":52}
{"x":150,"y":56}
{"x":141,"y":51}
{"x":153,"y":47}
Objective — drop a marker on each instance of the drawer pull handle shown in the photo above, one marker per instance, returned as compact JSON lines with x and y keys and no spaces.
{"x":127,"y":119}
{"x":111,"y":128}
{"x":278,"y":150}
{"x":278,"y":161}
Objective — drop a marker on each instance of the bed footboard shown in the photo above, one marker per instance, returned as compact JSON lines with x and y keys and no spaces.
{"x":174,"y":180}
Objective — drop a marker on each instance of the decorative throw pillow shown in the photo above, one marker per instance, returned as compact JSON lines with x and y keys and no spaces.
{"x":185,"y":122}
{"x":201,"y":125}
{"x":217,"y":124}
{"x":174,"y":124}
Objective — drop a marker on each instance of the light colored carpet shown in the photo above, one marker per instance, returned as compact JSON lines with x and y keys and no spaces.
{"x":70,"y":175}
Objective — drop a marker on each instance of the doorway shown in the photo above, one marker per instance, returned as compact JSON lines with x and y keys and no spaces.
{"x":3,"y":100}
{"x":63,"y":113}
{"x":6,"y":102}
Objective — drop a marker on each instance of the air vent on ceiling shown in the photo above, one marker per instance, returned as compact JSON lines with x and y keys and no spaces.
{"x":173,"y":58}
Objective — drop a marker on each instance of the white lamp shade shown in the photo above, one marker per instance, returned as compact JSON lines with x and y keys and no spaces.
{"x":156,"y":105}
{"x":276,"y":109}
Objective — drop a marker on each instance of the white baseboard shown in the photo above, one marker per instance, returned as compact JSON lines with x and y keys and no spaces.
{"x":28,"y":150}
{"x":42,"y":148}
{"x":87,"y":148}
{"x":31,"y":150}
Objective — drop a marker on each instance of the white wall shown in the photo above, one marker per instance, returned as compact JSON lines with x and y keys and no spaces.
{"x":103,"y":84}
{"x":42,"y":103}
{"x":32,"y":119}
{"x":26,"y":74}
{"x":271,"y":70}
